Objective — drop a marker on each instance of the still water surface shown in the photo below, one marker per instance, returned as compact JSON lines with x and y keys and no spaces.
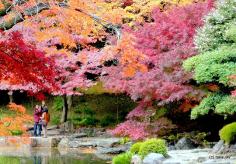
{"x":82,"y":159}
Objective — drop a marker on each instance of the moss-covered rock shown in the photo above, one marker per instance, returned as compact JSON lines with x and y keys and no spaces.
{"x":153,"y":146}
{"x":124,"y":158}
{"x":136,"y":147}
{"x":228,"y":133}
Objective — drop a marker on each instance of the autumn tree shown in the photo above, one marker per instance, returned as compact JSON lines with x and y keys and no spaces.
{"x":22,"y":63}
{"x":59,"y":29}
{"x":164,"y":45}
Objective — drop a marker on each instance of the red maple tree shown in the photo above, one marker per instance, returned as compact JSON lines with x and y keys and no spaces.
{"x":22,"y":63}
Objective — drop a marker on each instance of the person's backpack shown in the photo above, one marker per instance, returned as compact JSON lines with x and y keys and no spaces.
{"x":47,"y":117}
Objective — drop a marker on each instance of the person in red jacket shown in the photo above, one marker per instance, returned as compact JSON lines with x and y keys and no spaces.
{"x":37,"y":117}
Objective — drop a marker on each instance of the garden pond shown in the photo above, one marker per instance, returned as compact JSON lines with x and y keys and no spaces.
{"x":46,"y":156}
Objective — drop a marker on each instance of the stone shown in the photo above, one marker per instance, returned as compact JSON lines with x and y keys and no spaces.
{"x":172,"y":147}
{"x":67,"y":127}
{"x":153,"y":158}
{"x":233,"y":147}
{"x":55,"y":141}
{"x":53,"y":127}
{"x":113,"y":150}
{"x":107,"y":142}
{"x":201,"y":159}
{"x":136,"y":159}
{"x":64,"y":143}
{"x":78,"y":143}
{"x":78,"y":135}
{"x":184,"y":144}
{"x":218,"y":147}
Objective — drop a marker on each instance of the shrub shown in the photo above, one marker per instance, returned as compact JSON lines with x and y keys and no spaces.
{"x":124,"y":158}
{"x":16,"y":132}
{"x":107,"y":120}
{"x":136,"y":147}
{"x":55,"y":120}
{"x":228,"y":132}
{"x":153,"y":146}
{"x":124,"y":140}
{"x":88,"y":121}
{"x":58,"y":103}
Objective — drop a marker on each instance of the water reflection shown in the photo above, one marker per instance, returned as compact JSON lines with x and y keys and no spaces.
{"x":46,"y":156}
{"x":38,"y":160}
{"x":86,"y":159}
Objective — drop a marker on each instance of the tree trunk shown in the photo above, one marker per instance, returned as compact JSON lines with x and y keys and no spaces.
{"x":69,"y":102}
{"x":65,"y":109}
{"x":10,"y":94}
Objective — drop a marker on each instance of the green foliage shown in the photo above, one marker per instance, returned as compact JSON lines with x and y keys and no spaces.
{"x":107,"y":120}
{"x":86,"y":116}
{"x":228,"y":133}
{"x":96,"y":89}
{"x":104,"y":109}
{"x":160,"y":112}
{"x":58,"y":103}
{"x":16,"y":132}
{"x":216,"y":63}
{"x":124,"y":140}
{"x":124,"y":158}
{"x":85,"y":121}
{"x":9,"y":160}
{"x":196,"y":136}
{"x":136,"y":147}
{"x":55,"y":120}
{"x":230,"y":33}
{"x":217,"y":102}
{"x":153,"y":146}
{"x":213,"y":66}
{"x":88,"y":121}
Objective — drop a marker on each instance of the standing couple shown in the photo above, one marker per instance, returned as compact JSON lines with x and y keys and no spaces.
{"x":41,"y":119}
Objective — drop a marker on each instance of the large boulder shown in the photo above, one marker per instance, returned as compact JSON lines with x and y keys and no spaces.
{"x":184,"y":144}
{"x":153,"y":158}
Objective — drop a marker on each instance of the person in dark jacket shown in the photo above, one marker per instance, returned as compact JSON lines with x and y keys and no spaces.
{"x":37,"y":117}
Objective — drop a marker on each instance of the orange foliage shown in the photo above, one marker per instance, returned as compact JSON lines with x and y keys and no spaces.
{"x":131,"y":58}
{"x":213,"y":87}
{"x":15,"y":123}
{"x":186,"y":106}
{"x":17,"y":108}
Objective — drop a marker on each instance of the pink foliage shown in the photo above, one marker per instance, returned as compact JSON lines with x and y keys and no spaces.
{"x":167,"y":42}
{"x":131,"y":128}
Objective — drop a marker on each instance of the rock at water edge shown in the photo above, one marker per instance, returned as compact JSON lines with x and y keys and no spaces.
{"x":153,"y":158}
{"x":136,"y":159}
{"x":184,"y":144}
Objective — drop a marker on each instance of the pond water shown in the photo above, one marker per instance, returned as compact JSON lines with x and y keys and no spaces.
{"x":82,"y":159}
{"x":21,"y":155}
